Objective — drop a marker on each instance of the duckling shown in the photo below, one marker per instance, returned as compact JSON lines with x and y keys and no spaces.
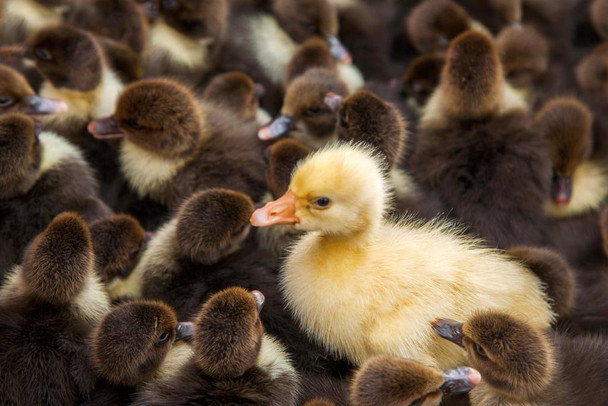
{"x":521,"y":364}
{"x":41,"y":175}
{"x":591,"y":72}
{"x":283,"y":157}
{"x":135,"y":343}
{"x":76,"y":72}
{"x":422,"y":77}
{"x":129,"y":25}
{"x":238,"y":93}
{"x":476,"y":148}
{"x":175,"y":147}
{"x":578,"y":184}
{"x":265,"y":37}
{"x":118,"y":243}
{"x":305,"y":115}
{"x":597,"y":14}
{"x":364,"y":117}
{"x":20,"y":18}
{"x":432,"y":24}
{"x":48,"y":307}
{"x":187,"y":41}
{"x":234,"y":361}
{"x":393,"y":381}
{"x":524,"y":54}
{"x":349,"y":255}
{"x":14,"y":57}
{"x":17,"y":96}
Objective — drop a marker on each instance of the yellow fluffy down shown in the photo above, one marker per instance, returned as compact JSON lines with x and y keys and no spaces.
{"x":377,"y":290}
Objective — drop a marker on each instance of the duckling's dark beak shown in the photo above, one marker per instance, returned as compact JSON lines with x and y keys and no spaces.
{"x":259,"y":90}
{"x":39,"y":105}
{"x":460,"y":380}
{"x":333,"y":101}
{"x":279,"y":127}
{"x":338,"y":51}
{"x":449,"y":329}
{"x":260,"y":299}
{"x":184,"y":331}
{"x":280,"y":211}
{"x":561,"y":190}
{"x":149,"y":9}
{"x":105,"y":128}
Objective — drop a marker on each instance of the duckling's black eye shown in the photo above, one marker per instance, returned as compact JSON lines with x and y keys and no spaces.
{"x":133,"y":124}
{"x":163,"y":337}
{"x":310,"y":27}
{"x":134,"y":251}
{"x":42,"y":54}
{"x":480,"y":351}
{"x":322,"y":202}
{"x":170,"y":4}
{"x":5,"y":101}
{"x":314,"y":111}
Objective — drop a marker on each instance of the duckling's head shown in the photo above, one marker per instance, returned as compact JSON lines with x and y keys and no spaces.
{"x":283,"y":157}
{"x":364,"y":117}
{"x":158,"y":115}
{"x":305,"y":115}
{"x":514,"y":358}
{"x":60,"y":260}
{"x":212,"y":224}
{"x":432,"y":24}
{"x":17,"y":96}
{"x":129,"y":25}
{"x":524,"y":54}
{"x":598,"y":12}
{"x":312,"y":53}
{"x":67,"y":57}
{"x":303,"y":19}
{"x":393,"y":381}
{"x":422,"y":77}
{"x":237,"y":92}
{"x":196,"y":18}
{"x":228,"y":332}
{"x":340,"y":190}
{"x":118,"y":242}
{"x":592,"y":72}
{"x":510,"y":10}
{"x":20,"y":154}
{"x":566,"y":123}
{"x":132,"y":341}
{"x":471,"y":82}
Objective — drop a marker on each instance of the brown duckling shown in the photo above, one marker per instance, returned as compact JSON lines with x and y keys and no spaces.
{"x":432,"y":24}
{"x":48,"y":308}
{"x":129,"y":25}
{"x":135,"y":343}
{"x":524,"y":54}
{"x":20,"y":18}
{"x":394,"y":381}
{"x":476,"y":148}
{"x":15,"y":57}
{"x":598,"y":9}
{"x":17,"y":96}
{"x":41,"y":175}
{"x":283,"y":157}
{"x":187,"y":40}
{"x":422,"y":77}
{"x":364,"y":117}
{"x":174,"y":146}
{"x":520,"y":364}
{"x":591,"y":72}
{"x":75,"y":68}
{"x":238,"y":93}
{"x":118,"y":243}
{"x":305,"y":115}
{"x":234,"y":361}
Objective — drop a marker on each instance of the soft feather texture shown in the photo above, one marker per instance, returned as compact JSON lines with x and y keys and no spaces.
{"x":385,"y":307}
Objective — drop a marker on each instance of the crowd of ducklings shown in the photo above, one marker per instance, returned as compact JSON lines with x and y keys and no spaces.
{"x":303,"y":202}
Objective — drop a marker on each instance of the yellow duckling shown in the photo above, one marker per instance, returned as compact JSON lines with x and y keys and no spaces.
{"x":364,"y":286}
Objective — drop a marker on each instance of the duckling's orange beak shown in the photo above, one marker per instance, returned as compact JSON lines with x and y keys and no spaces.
{"x":281,"y":211}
